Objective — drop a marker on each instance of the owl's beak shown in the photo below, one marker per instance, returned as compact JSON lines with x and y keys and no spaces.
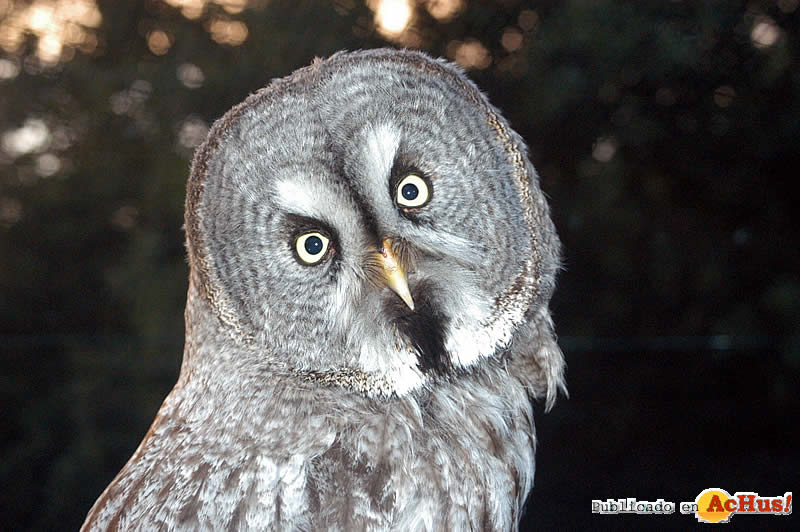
{"x":393,"y":273}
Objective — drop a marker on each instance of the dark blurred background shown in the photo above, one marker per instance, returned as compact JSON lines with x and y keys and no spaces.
{"x":666,"y":135}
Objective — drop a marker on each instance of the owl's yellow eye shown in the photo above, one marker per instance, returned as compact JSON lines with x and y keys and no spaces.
{"x":412,"y":191}
{"x":311,"y":247}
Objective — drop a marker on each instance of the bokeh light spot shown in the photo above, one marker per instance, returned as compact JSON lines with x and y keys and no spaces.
{"x":444,"y":10}
{"x":765,"y":32}
{"x":33,"y":136}
{"x":47,"y":164}
{"x":60,"y":26}
{"x":8,"y":69}
{"x":125,"y":217}
{"x":392,"y":17}
{"x":233,"y":6}
{"x":604,"y":149}
{"x":158,"y":42}
{"x":191,"y":9}
{"x":511,"y":39}
{"x":528,"y":19}
{"x":230,"y":32}
{"x":469,"y":54}
{"x":191,"y":76}
{"x":192,"y":132}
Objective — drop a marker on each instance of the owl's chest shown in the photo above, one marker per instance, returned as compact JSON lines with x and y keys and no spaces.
{"x":456,"y":471}
{"x":401,"y":468}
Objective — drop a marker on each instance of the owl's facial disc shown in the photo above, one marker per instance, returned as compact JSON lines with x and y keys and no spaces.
{"x":336,"y":223}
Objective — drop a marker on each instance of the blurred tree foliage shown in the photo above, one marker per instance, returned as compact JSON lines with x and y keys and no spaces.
{"x":665,"y":134}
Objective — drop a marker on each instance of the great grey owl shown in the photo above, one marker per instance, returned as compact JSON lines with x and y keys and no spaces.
{"x":367,"y":318}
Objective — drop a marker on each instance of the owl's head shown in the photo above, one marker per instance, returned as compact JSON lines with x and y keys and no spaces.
{"x":370,"y":221}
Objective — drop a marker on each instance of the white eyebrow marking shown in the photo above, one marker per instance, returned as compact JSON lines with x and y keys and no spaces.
{"x":294,"y":198}
{"x":380,"y":148}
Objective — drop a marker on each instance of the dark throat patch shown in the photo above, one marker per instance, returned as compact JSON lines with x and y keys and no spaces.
{"x":424,"y":328}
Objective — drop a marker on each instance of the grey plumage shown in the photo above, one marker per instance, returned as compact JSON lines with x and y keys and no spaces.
{"x":312,"y":396}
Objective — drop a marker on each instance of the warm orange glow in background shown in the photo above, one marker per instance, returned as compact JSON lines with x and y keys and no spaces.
{"x":60,"y":26}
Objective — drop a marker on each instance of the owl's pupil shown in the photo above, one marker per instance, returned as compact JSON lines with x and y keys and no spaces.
{"x":313,"y":245}
{"x":410,"y":192}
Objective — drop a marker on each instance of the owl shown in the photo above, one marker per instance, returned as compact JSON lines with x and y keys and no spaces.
{"x":367,"y":324}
